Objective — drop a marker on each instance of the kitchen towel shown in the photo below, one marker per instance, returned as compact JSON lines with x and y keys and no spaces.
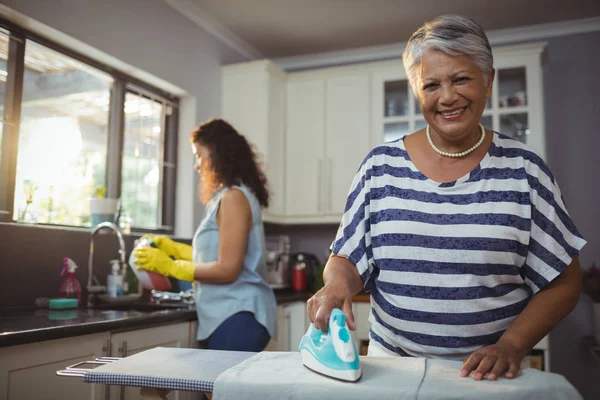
{"x":281,"y":375}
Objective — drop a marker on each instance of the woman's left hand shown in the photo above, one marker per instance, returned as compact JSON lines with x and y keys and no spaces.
{"x":493,"y":360}
{"x":155,"y":260}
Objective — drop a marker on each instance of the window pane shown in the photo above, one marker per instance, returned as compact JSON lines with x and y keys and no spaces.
{"x":512,"y":86}
{"x":63,"y":137}
{"x":420,"y":124}
{"x":515,"y":126}
{"x":141,"y":179}
{"x":3,"y":168}
{"x":395,"y":131}
{"x":396,"y":98}
{"x":486,"y":121}
{"x":3,"y":75}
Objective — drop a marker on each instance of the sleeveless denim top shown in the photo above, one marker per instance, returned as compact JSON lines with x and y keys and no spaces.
{"x":250,"y":291}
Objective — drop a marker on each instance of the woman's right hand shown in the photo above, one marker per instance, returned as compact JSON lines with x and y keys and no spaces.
{"x":330,"y":296}
{"x":179,"y":251}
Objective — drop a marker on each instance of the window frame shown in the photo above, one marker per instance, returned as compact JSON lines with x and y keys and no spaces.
{"x":122,"y":83}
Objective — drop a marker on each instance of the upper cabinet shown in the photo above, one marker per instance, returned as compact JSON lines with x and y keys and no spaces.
{"x":253,"y":101}
{"x":327,"y":138}
{"x":515,"y":107}
{"x":315,"y":127}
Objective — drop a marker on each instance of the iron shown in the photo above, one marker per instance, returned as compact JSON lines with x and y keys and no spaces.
{"x":333,"y":353}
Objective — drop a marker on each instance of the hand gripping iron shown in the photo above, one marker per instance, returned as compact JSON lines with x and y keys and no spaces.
{"x":333,"y":353}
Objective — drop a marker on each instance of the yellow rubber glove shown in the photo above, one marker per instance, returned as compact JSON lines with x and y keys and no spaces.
{"x":155,"y":260}
{"x":180,"y":251}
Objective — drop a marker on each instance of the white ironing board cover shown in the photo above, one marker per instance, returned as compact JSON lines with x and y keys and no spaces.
{"x":442,"y":382}
{"x":168,"y":368}
{"x":281,"y":375}
{"x":271,"y":376}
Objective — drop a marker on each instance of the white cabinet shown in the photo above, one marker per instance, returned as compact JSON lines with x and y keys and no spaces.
{"x":292,"y":323}
{"x":315,"y":127}
{"x":327,"y":138}
{"x":128,"y":343}
{"x":305,"y":130}
{"x":29,"y":371}
{"x":515,"y":108}
{"x":253,"y":101}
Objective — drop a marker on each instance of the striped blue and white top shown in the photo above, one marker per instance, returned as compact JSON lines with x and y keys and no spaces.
{"x":450,"y":265}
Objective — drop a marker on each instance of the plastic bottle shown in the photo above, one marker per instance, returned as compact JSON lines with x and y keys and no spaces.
{"x":114,"y":281}
{"x":299,"y":274}
{"x":70,"y":288}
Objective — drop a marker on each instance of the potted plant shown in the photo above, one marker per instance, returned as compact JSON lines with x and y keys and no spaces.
{"x":102,"y":209}
{"x":591,"y":287}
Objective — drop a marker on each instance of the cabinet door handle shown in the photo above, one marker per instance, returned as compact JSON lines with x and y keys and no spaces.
{"x":123,"y":351}
{"x":329,"y":191}
{"x":106,"y":350}
{"x":319,"y":184}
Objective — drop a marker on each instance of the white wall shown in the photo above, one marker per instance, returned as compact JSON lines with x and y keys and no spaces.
{"x":142,"y":37}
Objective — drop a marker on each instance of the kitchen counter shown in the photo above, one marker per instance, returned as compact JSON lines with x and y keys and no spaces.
{"x":30,"y":324}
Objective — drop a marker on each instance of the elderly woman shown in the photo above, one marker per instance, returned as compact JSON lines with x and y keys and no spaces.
{"x":459,"y":233}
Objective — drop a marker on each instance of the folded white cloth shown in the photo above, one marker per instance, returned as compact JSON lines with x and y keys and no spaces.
{"x":281,"y":375}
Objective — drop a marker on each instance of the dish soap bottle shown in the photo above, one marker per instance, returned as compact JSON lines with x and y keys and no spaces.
{"x":70,"y":288}
{"x":114,"y":282}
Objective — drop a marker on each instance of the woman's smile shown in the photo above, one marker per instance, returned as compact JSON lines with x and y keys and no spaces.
{"x":453,"y":114}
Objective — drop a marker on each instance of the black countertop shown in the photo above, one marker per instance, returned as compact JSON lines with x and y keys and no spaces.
{"x":30,"y":324}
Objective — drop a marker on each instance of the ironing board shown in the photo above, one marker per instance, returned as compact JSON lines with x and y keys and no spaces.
{"x":160,"y":370}
{"x":266,"y":375}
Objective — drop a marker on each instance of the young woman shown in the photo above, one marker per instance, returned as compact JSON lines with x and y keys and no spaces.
{"x":235,"y":305}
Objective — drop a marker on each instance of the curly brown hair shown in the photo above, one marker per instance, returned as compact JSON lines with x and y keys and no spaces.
{"x":233,"y":160}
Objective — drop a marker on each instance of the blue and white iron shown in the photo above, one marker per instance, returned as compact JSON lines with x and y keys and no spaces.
{"x":333,"y":353}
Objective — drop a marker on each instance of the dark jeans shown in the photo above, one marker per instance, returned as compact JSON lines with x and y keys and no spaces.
{"x":240,"y":332}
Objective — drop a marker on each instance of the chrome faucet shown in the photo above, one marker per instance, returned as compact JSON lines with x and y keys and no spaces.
{"x":95,"y":289}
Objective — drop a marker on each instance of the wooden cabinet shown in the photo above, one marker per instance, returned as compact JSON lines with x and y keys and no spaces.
{"x":292,"y":323}
{"x":29,"y":371}
{"x":253,"y":101}
{"x":124,"y":344}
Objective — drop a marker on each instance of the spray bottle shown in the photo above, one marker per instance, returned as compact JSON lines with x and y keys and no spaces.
{"x":70,"y":288}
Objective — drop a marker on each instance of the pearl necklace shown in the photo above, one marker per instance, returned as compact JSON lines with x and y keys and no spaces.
{"x":462,"y":153}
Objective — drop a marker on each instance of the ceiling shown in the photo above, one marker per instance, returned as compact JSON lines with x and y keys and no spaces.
{"x":284,"y":28}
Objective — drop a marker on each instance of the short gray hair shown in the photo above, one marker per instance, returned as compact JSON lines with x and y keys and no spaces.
{"x":455,"y":35}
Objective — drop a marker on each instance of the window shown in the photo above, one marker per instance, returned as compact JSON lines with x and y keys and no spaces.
{"x":4,"y":40}
{"x":141,"y":176}
{"x":77,"y":126}
{"x":63,"y":134}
